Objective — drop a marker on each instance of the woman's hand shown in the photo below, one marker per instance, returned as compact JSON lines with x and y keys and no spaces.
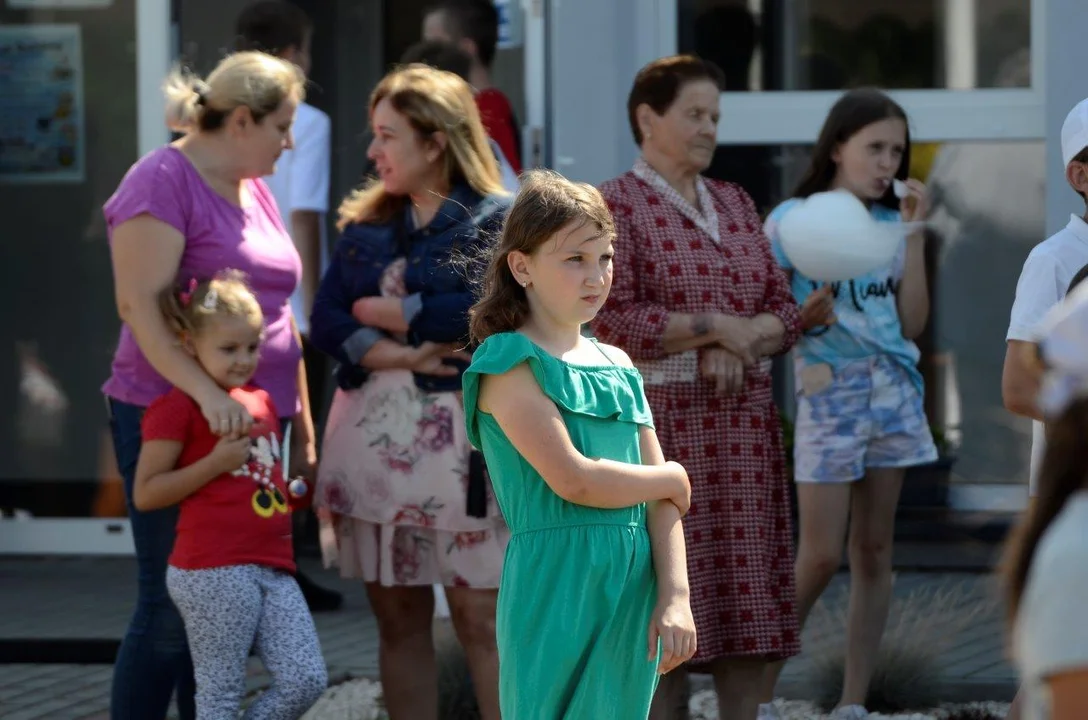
{"x":915,"y":205}
{"x":303,"y":459}
{"x":328,"y":536}
{"x":674,"y":626}
{"x":724,"y":368}
{"x":739,"y":336}
{"x":818,"y":309}
{"x":428,"y":359}
{"x":225,"y":415}
{"x":385,"y":313}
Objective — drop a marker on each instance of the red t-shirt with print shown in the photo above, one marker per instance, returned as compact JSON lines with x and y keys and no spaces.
{"x":234,"y":519}
{"x":497,"y":115}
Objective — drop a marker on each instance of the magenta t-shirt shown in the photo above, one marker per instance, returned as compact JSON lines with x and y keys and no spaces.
{"x":218,"y":236}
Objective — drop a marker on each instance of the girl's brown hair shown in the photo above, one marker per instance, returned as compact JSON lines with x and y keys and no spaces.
{"x":1064,"y":471}
{"x":189,"y":305}
{"x":432,"y":101}
{"x":545,"y":204}
{"x":853,"y":112}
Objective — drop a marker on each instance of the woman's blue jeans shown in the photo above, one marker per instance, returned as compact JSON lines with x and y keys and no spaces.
{"x":154,"y":658}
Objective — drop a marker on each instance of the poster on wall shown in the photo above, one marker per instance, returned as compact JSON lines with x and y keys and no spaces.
{"x":61,"y":4}
{"x":510,"y":22}
{"x":42,"y":133}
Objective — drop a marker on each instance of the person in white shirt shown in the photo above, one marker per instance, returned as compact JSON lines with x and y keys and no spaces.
{"x":1046,"y":276}
{"x":1047,"y":273}
{"x":300,"y":182}
{"x":1046,"y":562}
{"x":300,"y":185}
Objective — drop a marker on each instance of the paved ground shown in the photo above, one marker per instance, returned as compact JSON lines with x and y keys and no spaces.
{"x":91,"y":598}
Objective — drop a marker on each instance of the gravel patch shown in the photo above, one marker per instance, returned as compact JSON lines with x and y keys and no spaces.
{"x":704,"y":706}
{"x":360,"y":699}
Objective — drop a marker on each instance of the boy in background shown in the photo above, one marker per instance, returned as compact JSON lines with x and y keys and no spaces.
{"x":473,"y":26}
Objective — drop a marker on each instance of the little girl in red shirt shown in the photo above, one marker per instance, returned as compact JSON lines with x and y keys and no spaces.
{"x":230,"y":573}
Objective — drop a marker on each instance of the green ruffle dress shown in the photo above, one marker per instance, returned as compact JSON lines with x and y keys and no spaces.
{"x":578,"y":587}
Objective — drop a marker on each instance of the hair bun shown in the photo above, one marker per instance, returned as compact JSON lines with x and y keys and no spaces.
{"x":201,"y":90}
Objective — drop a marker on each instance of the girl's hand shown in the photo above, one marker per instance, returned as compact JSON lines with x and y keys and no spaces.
{"x":818,"y":308}
{"x":229,"y":454}
{"x":915,"y":206}
{"x":672,"y":623}
{"x":682,"y":497}
{"x":724,"y":368}
{"x":226,"y":416}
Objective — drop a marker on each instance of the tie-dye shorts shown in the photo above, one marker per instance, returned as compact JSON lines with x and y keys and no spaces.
{"x":870,"y":416}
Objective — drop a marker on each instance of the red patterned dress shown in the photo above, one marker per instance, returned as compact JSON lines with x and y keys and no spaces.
{"x":671,"y":257}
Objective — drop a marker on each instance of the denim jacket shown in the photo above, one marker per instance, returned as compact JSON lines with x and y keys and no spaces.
{"x":439,"y":295}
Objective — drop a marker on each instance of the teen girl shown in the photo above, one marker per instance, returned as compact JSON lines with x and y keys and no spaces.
{"x":593,"y":601}
{"x":230,"y":572}
{"x":860,"y":416}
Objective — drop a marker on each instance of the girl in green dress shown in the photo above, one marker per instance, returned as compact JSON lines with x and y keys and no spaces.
{"x":593,"y":601}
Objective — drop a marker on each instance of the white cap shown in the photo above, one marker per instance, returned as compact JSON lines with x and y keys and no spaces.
{"x":1075,"y":132}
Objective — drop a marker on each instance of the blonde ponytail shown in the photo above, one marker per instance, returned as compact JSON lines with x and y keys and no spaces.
{"x":252,"y":79}
{"x":182,"y":101}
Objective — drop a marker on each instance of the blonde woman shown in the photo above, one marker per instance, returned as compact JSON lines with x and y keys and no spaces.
{"x":189,"y":210}
{"x":412,"y":505}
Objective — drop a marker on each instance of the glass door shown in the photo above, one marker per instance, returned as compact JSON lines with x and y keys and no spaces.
{"x":79,"y":102}
{"x":970,"y":75}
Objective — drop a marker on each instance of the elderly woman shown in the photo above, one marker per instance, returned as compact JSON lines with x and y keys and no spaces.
{"x":189,"y":210}
{"x":410,"y":498}
{"x":700,"y":305}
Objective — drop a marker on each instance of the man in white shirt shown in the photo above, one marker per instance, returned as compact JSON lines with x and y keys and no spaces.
{"x":1044,"y":281}
{"x":300,"y":182}
{"x":300,"y":185}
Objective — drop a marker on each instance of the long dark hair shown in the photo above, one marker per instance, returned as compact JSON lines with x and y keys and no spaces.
{"x":545,"y":204}
{"x":855,"y":110}
{"x":1063,"y":473}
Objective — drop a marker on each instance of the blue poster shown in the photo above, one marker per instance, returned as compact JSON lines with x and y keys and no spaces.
{"x":42,"y":135}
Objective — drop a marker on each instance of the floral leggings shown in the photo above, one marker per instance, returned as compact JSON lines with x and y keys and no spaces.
{"x":229,"y":610}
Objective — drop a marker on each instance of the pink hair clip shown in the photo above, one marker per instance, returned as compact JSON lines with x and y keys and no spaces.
{"x":186,"y":295}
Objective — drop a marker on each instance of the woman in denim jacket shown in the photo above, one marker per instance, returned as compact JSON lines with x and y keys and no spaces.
{"x":393,"y":310}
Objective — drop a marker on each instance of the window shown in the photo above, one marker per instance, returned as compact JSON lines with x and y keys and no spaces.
{"x":768,"y":45}
{"x":963,"y":69}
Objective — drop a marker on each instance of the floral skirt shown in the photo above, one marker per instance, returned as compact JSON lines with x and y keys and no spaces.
{"x":394,"y":467}
{"x":406,"y":555}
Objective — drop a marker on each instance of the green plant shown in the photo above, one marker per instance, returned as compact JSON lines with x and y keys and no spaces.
{"x":787,"y":438}
{"x":907,"y":677}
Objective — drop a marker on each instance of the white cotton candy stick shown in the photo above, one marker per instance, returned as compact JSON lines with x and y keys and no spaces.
{"x":900,"y":188}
